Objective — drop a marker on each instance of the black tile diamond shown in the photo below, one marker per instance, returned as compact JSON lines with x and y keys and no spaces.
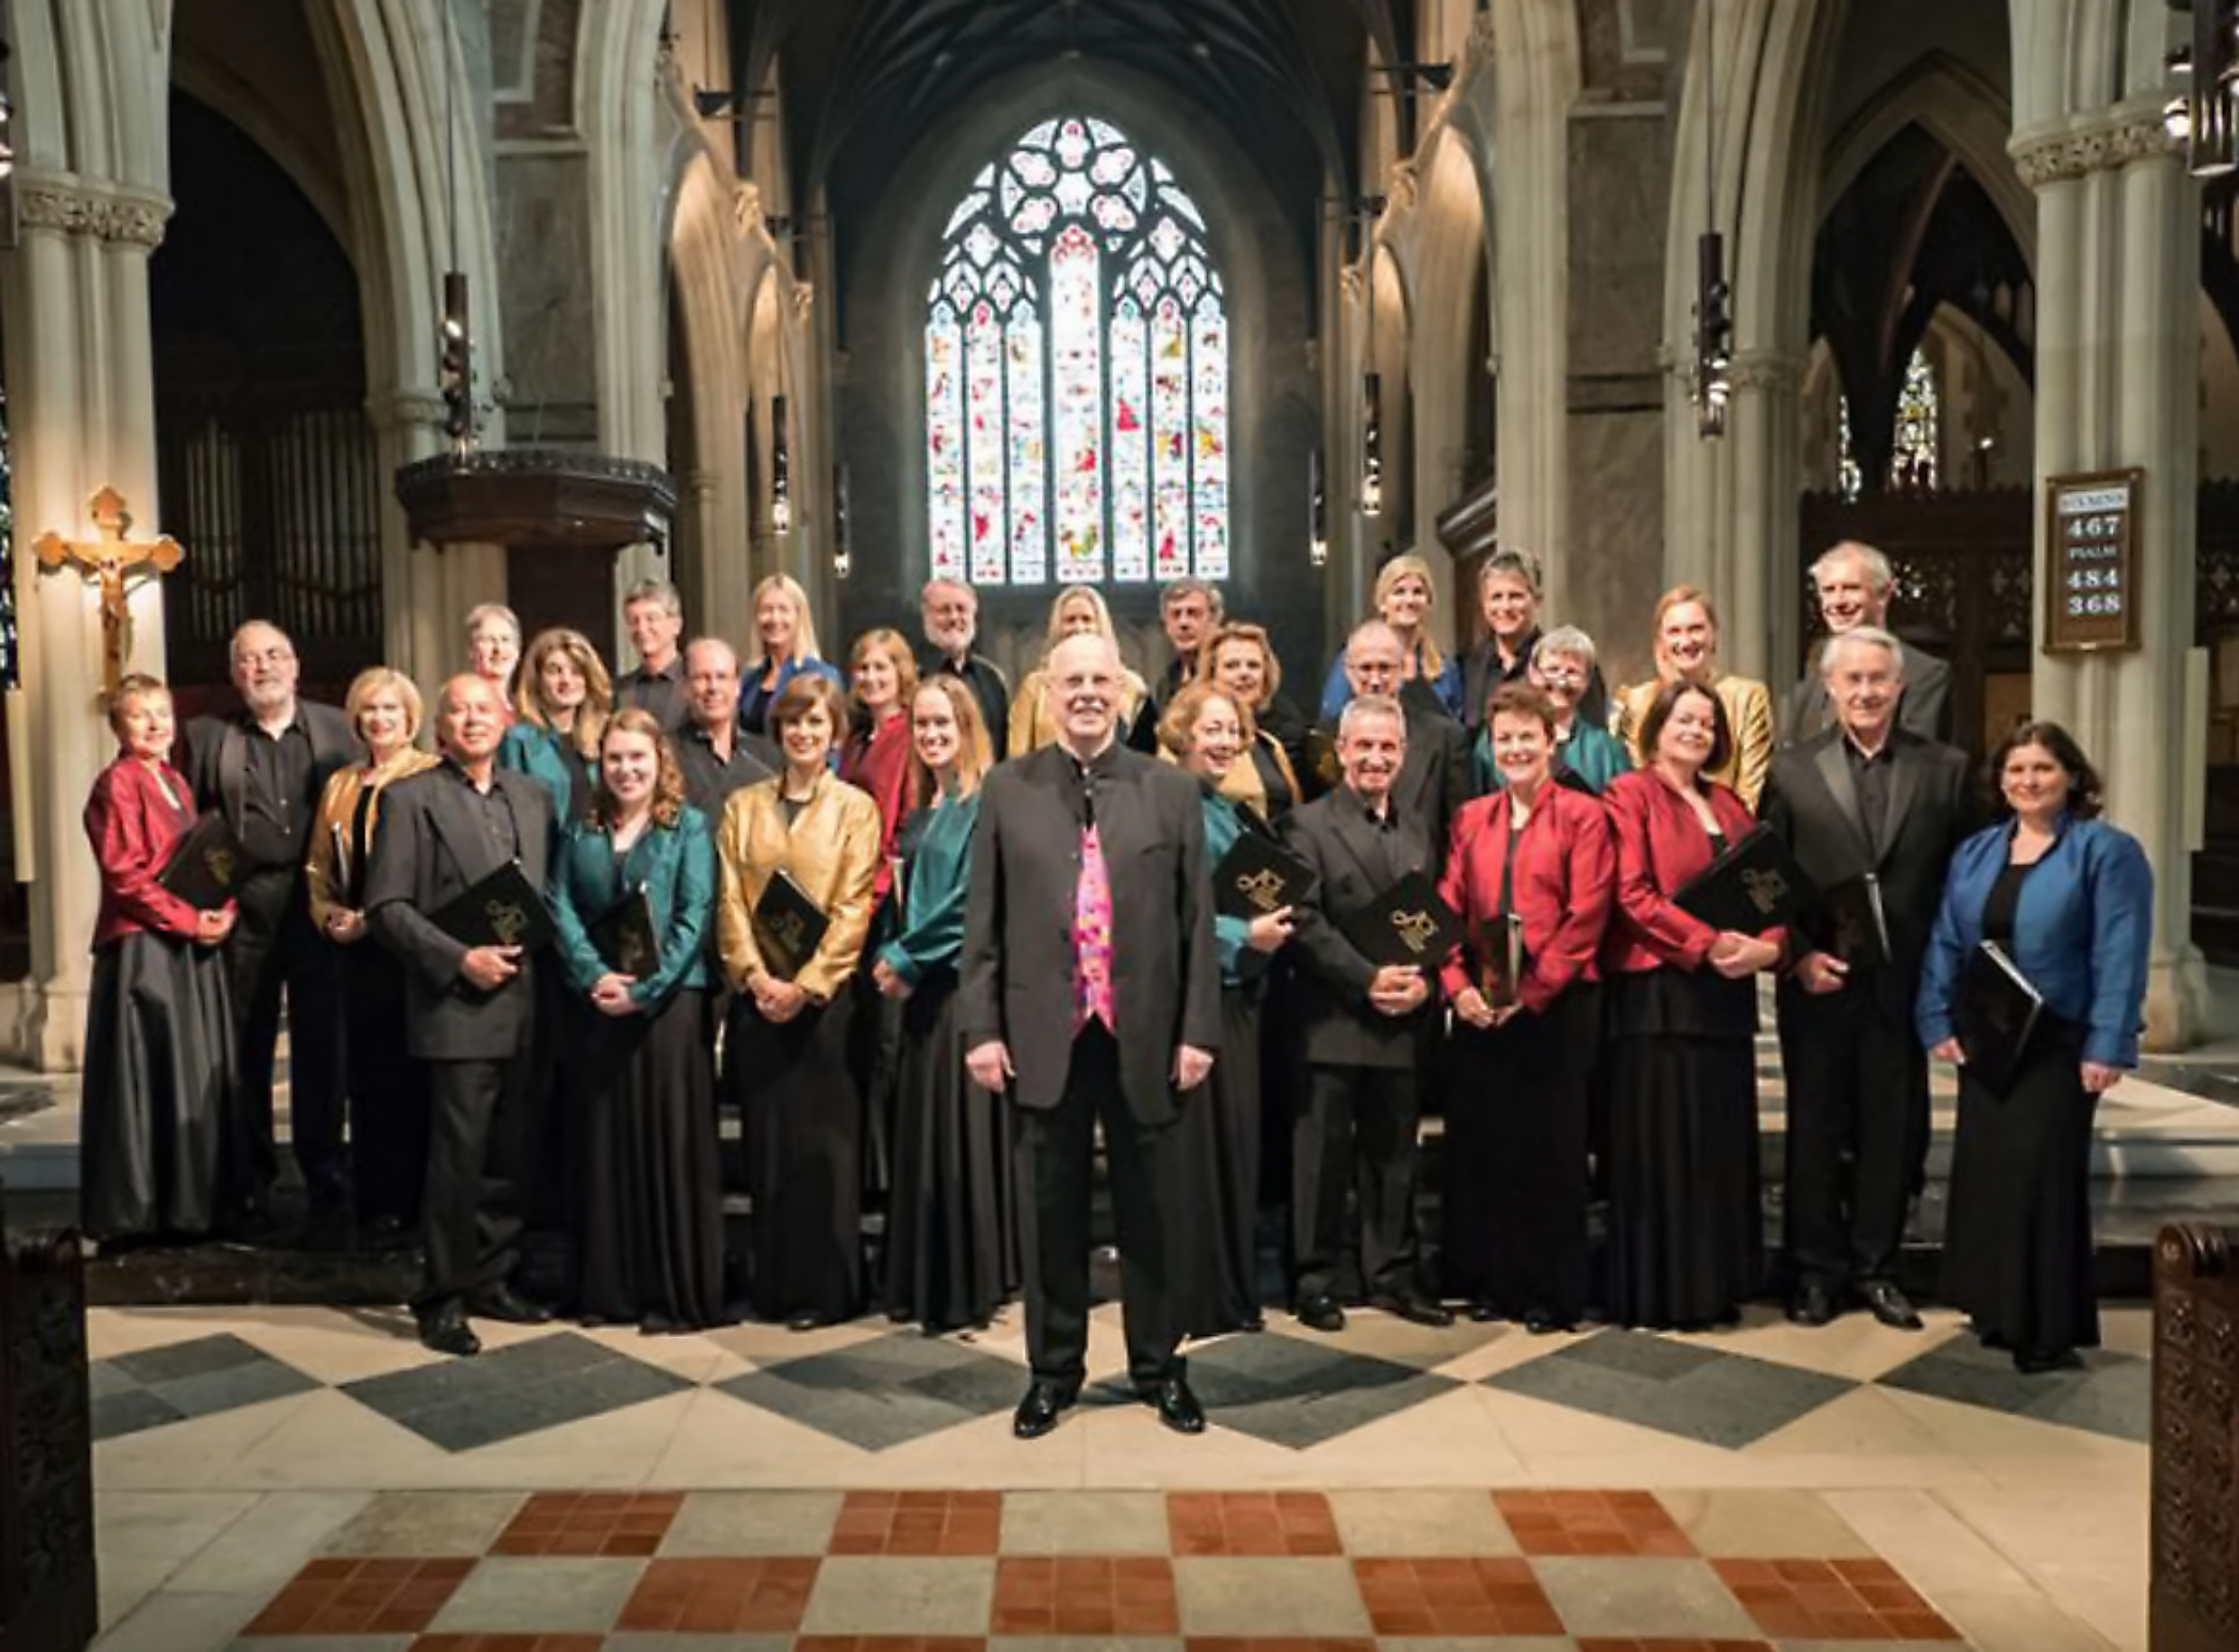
{"x":199,"y":1378}
{"x":1291,"y":1392}
{"x":461,"y":1404}
{"x":2112,"y":1395}
{"x":885,"y":1391}
{"x":1698,"y":1393}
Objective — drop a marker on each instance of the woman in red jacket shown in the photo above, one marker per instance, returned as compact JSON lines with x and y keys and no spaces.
{"x":1535,"y":858}
{"x":1685,"y":1231}
{"x":159,"y":1106}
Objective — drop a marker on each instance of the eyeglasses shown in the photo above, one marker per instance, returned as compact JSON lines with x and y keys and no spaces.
{"x":264,"y":656}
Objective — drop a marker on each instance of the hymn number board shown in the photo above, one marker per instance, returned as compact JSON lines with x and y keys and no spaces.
{"x":2091,"y":601}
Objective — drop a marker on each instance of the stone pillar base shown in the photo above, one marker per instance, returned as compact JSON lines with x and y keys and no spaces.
{"x":2177,"y":1000}
{"x":52,"y":1032}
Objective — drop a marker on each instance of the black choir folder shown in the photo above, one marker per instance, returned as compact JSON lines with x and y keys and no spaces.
{"x":1258,"y":875}
{"x":1995,"y":1010}
{"x":503,"y":909}
{"x":789,"y":924}
{"x":1854,"y":925}
{"x":205,"y":867}
{"x":627,"y":940}
{"x":1755,"y":884}
{"x":1409,"y":923}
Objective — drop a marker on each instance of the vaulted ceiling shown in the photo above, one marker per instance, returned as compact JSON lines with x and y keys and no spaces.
{"x":864,"y":80}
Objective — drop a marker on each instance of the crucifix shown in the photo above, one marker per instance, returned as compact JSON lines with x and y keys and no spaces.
{"x":107,"y":561}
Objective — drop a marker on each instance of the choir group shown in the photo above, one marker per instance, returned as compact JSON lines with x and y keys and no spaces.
{"x":945,"y":939}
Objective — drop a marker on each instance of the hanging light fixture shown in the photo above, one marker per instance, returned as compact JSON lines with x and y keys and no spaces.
{"x":1317,"y":513}
{"x":454,"y":365}
{"x":842,"y":544}
{"x":781,"y":470}
{"x":1372,"y":380}
{"x":1713,"y":317}
{"x":2203,"y":113}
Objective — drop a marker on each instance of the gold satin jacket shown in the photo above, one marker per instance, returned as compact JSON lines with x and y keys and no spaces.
{"x":1748,"y":719}
{"x":832,"y":849}
{"x":324,"y":871}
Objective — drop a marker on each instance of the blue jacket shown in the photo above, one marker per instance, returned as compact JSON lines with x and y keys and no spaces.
{"x":2079,"y":934}
{"x":543,"y":755}
{"x":754,"y":704}
{"x":676,"y":864}
{"x":1337,"y":688}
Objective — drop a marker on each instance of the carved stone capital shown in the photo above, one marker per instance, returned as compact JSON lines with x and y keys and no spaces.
{"x":1352,"y":279}
{"x":1775,"y":370}
{"x":76,"y":208}
{"x":1402,"y":185}
{"x":746,"y":206}
{"x":803,"y":296}
{"x":2107,"y":145}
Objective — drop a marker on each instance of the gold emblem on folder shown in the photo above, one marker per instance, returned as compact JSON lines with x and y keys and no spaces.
{"x":1766,"y":890}
{"x":1418,"y":930}
{"x":508,"y":922}
{"x":1263,"y":890}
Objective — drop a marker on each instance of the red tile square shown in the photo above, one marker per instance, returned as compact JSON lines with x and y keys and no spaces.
{"x":919,"y":1523}
{"x":1085,"y":1595}
{"x":1276,"y":1643}
{"x":721,"y":1597}
{"x":1620,"y":1643}
{"x":1449,"y":1597}
{"x":891,"y":1643}
{"x":508,"y":1643}
{"x":1831,"y":1599}
{"x":1593,"y":1523}
{"x":1251,"y":1524}
{"x":613,"y":1525}
{"x":345,"y":1595}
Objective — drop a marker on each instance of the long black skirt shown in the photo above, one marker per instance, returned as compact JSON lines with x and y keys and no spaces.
{"x":1686,"y":1236}
{"x":388,"y":1090}
{"x":804,"y":1126}
{"x":2017,"y":1249}
{"x":161,"y":1128}
{"x":952,"y":1219}
{"x":1515,"y":1158}
{"x":1219,"y":1158}
{"x":640,"y":1098}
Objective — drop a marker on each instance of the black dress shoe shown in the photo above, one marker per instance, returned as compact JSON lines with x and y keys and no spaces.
{"x":1889,"y":1304}
{"x":1176,"y":1406}
{"x":504,"y":1303}
{"x":1415,"y":1310}
{"x":2036,"y":1361}
{"x":446,"y":1332}
{"x":1484,"y":1313}
{"x":1037,"y":1413}
{"x":1319,"y":1312}
{"x":808,"y":1319}
{"x":1547,"y":1321}
{"x":1253,"y":1322}
{"x":1813,"y":1304}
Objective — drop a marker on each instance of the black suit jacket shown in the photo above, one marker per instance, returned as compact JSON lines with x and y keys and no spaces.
{"x":1925,"y":709}
{"x":1351,"y":867}
{"x":1811,"y":801}
{"x":218,"y":757}
{"x":1435,"y":779}
{"x":431,"y":849}
{"x":1017,"y":969}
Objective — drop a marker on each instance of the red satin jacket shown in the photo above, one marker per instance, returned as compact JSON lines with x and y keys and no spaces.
{"x":1563,"y":886}
{"x":132,"y":829}
{"x":1660,"y":844}
{"x":881,"y":765}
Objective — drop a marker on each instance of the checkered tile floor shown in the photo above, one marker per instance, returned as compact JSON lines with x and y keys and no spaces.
{"x":1286,"y":1388}
{"x":631,"y":1573}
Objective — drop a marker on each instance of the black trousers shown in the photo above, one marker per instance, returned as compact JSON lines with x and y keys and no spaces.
{"x":388,"y":1089}
{"x":1857,"y":1109}
{"x":275,"y":948}
{"x":1356,"y":1132}
{"x":471,"y":1211}
{"x":1056,"y":1148}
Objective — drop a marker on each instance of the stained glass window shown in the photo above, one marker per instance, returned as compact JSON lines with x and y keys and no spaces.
{"x":1849,"y":478}
{"x":1076,"y":371}
{"x":1920,"y":419}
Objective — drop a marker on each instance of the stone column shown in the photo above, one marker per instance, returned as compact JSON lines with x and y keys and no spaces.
{"x":81,"y":388}
{"x":2118,"y":386}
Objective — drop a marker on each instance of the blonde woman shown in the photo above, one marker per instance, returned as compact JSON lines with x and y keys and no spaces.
{"x":1686,"y":651}
{"x":494,"y":648}
{"x":787,"y":633}
{"x":562,"y":707}
{"x":1405,"y":599}
{"x":388,"y":1090}
{"x":1078,"y":610}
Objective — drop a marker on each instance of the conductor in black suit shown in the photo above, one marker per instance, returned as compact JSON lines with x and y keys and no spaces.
{"x":469,"y":1009}
{"x":1867,"y":800}
{"x":1367,"y":1028}
{"x":264,"y":769}
{"x":1091,"y":992}
{"x":1854,"y":583}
